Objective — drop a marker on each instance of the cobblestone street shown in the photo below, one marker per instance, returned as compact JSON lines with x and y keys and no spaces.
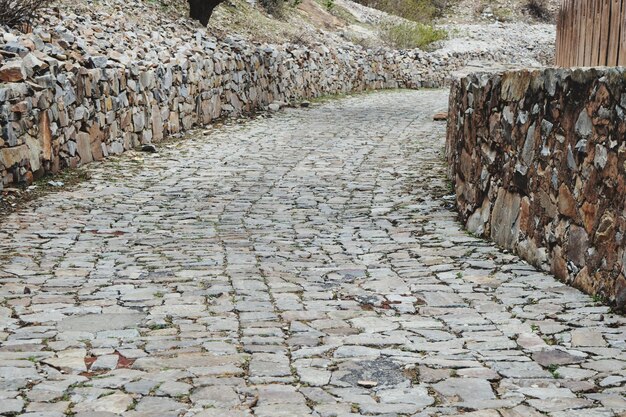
{"x":309,"y":263}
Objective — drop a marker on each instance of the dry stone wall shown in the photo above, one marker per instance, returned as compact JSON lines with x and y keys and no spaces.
{"x":66,"y":101}
{"x":538,"y":159}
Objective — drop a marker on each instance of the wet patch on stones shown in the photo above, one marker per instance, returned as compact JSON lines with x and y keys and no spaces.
{"x":383,"y":371}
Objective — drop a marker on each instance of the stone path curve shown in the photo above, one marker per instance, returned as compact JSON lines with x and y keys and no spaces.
{"x":304,"y":264}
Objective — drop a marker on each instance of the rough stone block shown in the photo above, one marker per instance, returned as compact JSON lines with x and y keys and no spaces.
{"x":504,"y":224}
{"x":83,"y":147}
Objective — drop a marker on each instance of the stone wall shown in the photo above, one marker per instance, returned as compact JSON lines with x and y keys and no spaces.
{"x":538,"y":159}
{"x":62,"y":105}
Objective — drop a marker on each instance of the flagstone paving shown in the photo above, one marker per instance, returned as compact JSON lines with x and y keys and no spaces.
{"x":304,"y":264}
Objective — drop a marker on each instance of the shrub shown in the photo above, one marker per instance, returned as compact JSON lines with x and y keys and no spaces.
{"x":274,"y":7}
{"x":503,"y":14}
{"x":20,"y":12}
{"x":412,"y":35}
{"x":538,"y":9}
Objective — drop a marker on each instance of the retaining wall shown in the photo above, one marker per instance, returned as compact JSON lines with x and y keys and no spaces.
{"x":538,"y":159}
{"x":61,"y":107}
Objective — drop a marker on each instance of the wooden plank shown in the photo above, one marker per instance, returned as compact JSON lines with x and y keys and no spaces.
{"x":614,"y":29}
{"x":591,"y":27}
{"x":571,"y":28}
{"x":621,"y":61}
{"x":573,"y":34}
{"x":589,"y":31}
{"x":567,"y":28}
{"x":607,"y":33}
{"x":573,"y":52}
{"x":604,"y":34}
{"x":566,"y":35}
{"x":564,"y":59}
{"x":557,"y":50}
{"x":619,"y":28}
{"x":595,"y":49}
{"x":580,"y":39}
{"x":559,"y":36}
{"x":583,"y":33}
{"x":577,"y":32}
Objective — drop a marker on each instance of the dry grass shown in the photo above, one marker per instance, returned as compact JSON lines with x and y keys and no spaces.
{"x":423,"y":11}
{"x":20,"y":12}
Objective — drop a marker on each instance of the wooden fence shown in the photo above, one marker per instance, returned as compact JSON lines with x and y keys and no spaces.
{"x":591,"y":33}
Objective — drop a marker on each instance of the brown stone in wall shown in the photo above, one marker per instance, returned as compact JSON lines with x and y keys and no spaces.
{"x":156,"y":122}
{"x":610,"y":171}
{"x":11,"y":157}
{"x":589,"y":212}
{"x":125,"y":119}
{"x":567,"y":203}
{"x":620,"y":291}
{"x":577,"y":243}
{"x":525,"y":219}
{"x":601,"y":98}
{"x":95,"y":138}
{"x":547,"y":204}
{"x":504,"y":224}
{"x":605,"y":232}
{"x":27,"y":178}
{"x":12,"y":72}
{"x":559,"y":264}
{"x":83,"y":146}
{"x":46,"y":135}
{"x":584,"y":281}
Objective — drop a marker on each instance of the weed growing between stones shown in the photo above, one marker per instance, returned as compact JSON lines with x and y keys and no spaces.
{"x":11,"y":199}
{"x":553,"y":370}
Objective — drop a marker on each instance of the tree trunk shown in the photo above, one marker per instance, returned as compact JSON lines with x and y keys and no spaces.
{"x":201,"y":10}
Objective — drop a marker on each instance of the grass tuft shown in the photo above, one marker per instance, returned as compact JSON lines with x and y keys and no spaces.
{"x":412,"y":35}
{"x":416,"y":10}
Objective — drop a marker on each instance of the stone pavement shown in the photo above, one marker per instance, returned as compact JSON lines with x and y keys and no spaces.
{"x":305,"y":264}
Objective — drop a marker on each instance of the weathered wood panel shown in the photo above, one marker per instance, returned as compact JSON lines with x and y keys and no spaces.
{"x":591,"y":33}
